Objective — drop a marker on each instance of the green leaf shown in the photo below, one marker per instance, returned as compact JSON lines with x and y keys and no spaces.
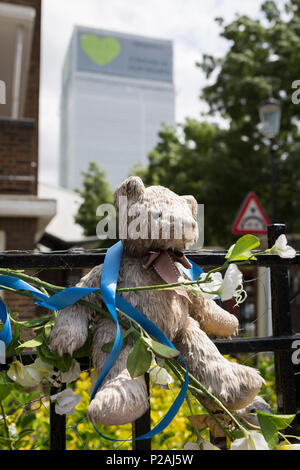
{"x":11,"y":349}
{"x":27,"y":420}
{"x":271,"y":424}
{"x":268,"y":429}
{"x":161,"y":350}
{"x":33,"y":323}
{"x":46,"y":355}
{"x":4,"y":391}
{"x":85,"y":350}
{"x":279,"y":421}
{"x":241,"y":249}
{"x":139,"y":359}
{"x":64,"y":362}
{"x":32,"y":343}
{"x":237,"y":434}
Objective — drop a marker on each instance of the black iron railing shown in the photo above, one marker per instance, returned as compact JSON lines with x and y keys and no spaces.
{"x":280,"y":343}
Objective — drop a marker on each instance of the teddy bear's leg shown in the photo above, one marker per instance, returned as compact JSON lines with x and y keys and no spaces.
{"x":233,"y":384}
{"x":121,"y":399}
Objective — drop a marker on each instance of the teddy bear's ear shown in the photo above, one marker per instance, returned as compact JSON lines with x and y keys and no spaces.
{"x":193,"y":205}
{"x":133,"y":187}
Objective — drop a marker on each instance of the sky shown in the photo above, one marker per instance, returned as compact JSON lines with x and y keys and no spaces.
{"x":188,"y":23}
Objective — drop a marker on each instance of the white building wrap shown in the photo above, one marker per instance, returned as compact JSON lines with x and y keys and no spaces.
{"x":117,"y":92}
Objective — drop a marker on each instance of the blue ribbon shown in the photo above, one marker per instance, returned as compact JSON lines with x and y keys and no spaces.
{"x":5,"y":333}
{"x":109,"y":279}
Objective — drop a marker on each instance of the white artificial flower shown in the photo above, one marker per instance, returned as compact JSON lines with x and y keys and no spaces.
{"x":160,"y":376}
{"x":209,"y":289}
{"x":253,"y":441}
{"x":282,"y":249}
{"x":18,"y":373}
{"x":42,"y":367}
{"x":66,"y":401}
{"x":12,"y":430}
{"x":219,"y":287}
{"x":232,"y":280}
{"x":72,"y":374}
{"x":31,"y":375}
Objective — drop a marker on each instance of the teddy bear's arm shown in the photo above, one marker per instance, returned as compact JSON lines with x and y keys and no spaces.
{"x":213,"y":319}
{"x":70,"y":331}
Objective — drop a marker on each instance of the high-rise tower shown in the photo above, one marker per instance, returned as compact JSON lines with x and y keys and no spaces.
{"x":117,"y":91}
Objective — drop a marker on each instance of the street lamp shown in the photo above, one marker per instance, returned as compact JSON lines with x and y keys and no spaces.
{"x":270,"y":114}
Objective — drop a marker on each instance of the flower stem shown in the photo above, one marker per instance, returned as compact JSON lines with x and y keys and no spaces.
{"x":209,"y":395}
{"x":195,"y":392}
{"x":51,"y":287}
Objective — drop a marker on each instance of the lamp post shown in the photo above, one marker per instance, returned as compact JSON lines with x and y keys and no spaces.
{"x":270,"y":114}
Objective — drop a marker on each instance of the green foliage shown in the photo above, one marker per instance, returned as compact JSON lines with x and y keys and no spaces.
{"x":223,"y":164}
{"x":33,"y":323}
{"x":271,"y":424}
{"x":241,"y":250}
{"x":32,"y":343}
{"x":139,"y":359}
{"x":161,"y":350}
{"x":10,"y":350}
{"x":96,"y":191}
{"x":22,"y":418}
{"x":27,"y":415}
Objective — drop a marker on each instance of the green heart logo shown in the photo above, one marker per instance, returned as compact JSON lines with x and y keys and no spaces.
{"x":101,"y":51}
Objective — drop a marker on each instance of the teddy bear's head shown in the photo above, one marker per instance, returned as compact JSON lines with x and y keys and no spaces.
{"x":154,"y":218}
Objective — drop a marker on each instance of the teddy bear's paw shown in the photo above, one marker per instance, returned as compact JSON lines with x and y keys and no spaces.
{"x":66,"y":340}
{"x":243,"y":388}
{"x":120,"y":401}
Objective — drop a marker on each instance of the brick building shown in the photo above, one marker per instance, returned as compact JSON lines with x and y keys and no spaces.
{"x":23,"y":215}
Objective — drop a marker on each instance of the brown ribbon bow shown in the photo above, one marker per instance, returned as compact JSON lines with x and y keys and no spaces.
{"x":164,"y":264}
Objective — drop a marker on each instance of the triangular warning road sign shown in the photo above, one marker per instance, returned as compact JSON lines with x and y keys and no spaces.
{"x":251,"y":217}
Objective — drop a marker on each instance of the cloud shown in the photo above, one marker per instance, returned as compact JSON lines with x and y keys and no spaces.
{"x":189,"y":23}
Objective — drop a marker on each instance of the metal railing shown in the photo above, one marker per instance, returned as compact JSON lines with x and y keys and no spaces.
{"x":280,"y":343}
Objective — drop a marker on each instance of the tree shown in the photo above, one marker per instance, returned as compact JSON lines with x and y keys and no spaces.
{"x":96,"y":191}
{"x":219,"y":166}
